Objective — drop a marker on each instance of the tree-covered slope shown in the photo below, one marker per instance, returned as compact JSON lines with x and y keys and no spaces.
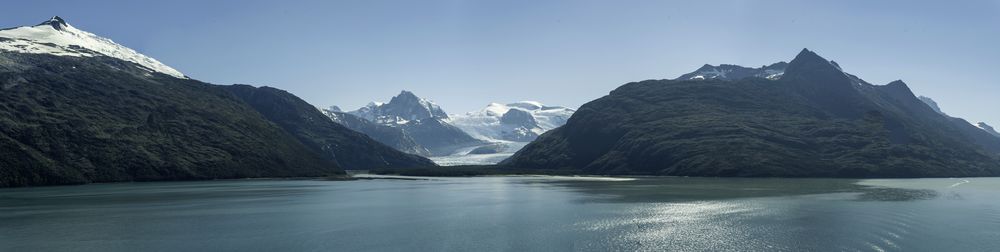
{"x":67,"y":120}
{"x":815,"y":121}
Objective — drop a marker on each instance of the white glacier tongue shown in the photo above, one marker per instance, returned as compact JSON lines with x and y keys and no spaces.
{"x":56,"y":37}
{"x":507,"y":128}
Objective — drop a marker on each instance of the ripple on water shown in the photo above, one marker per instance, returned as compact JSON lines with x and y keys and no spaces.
{"x":704,"y":225}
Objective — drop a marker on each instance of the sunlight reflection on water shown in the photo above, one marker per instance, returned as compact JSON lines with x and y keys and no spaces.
{"x":520,"y":213}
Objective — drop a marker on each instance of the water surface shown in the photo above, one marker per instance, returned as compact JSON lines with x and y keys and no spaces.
{"x":507,"y":213}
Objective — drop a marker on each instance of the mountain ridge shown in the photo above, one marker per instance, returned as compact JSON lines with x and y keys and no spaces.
{"x":72,"y":115}
{"x":57,"y":37}
{"x":410,"y":118}
{"x":814,"y":121}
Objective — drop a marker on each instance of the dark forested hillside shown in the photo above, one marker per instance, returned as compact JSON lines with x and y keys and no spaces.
{"x":67,"y":120}
{"x":815,"y":121}
{"x":350,"y":149}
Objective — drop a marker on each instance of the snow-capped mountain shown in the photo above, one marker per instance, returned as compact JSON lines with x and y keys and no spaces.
{"x":988,"y":129}
{"x":487,"y":136}
{"x":519,"y":122}
{"x":407,"y":118}
{"x":506,"y":127}
{"x":734,"y":72}
{"x":394,"y":137}
{"x":401,"y":109}
{"x":56,"y":37}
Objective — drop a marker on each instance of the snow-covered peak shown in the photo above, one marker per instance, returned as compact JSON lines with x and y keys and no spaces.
{"x":57,"y":37}
{"x":401,"y":109}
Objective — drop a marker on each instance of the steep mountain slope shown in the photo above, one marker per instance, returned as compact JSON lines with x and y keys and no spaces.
{"x":66,"y":120}
{"x":979,"y":133}
{"x":56,"y":37}
{"x":438,"y":136}
{"x":77,"y":108}
{"x":394,"y":137}
{"x":814,"y":121}
{"x":418,"y":119}
{"x":989,"y":129}
{"x":347,"y":148}
{"x":402,"y":108}
{"x":931,"y":103}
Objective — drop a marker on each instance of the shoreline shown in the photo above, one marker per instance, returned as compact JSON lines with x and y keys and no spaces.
{"x":460,"y":172}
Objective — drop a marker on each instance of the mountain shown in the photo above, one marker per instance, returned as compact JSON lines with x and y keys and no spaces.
{"x":734,"y":72}
{"x":933,"y":104}
{"x":401,"y":109}
{"x":980,"y":133}
{"x":518,"y":122}
{"x":343,"y":146}
{"x":409,"y":118}
{"x":814,"y":121}
{"x":394,"y":137}
{"x":506,"y":128}
{"x":78,"y":108}
{"x":989,"y":129}
{"x":56,"y":37}
{"x":418,"y":126}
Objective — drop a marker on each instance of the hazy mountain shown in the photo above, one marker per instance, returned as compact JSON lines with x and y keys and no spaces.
{"x":980,"y":133}
{"x":78,"y":108}
{"x":988,"y":129}
{"x":933,"y":104}
{"x":815,"y":120}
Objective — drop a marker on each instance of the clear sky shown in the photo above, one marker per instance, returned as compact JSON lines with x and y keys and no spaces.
{"x":465,"y":54}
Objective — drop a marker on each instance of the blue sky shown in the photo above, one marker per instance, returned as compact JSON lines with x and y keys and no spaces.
{"x":465,"y":54}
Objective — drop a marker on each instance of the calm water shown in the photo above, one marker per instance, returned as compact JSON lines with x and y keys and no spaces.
{"x":508,"y":213}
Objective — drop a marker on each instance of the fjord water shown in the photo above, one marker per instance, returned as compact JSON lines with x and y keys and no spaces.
{"x":507,"y":213}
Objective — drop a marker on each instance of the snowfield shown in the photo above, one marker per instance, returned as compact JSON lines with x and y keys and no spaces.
{"x":485,"y":124}
{"x":56,"y":37}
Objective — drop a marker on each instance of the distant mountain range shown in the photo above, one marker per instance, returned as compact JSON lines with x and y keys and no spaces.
{"x":419,"y":126}
{"x":810,"y":120}
{"x":79,"y":108}
{"x":408,"y":123}
{"x":959,"y":121}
